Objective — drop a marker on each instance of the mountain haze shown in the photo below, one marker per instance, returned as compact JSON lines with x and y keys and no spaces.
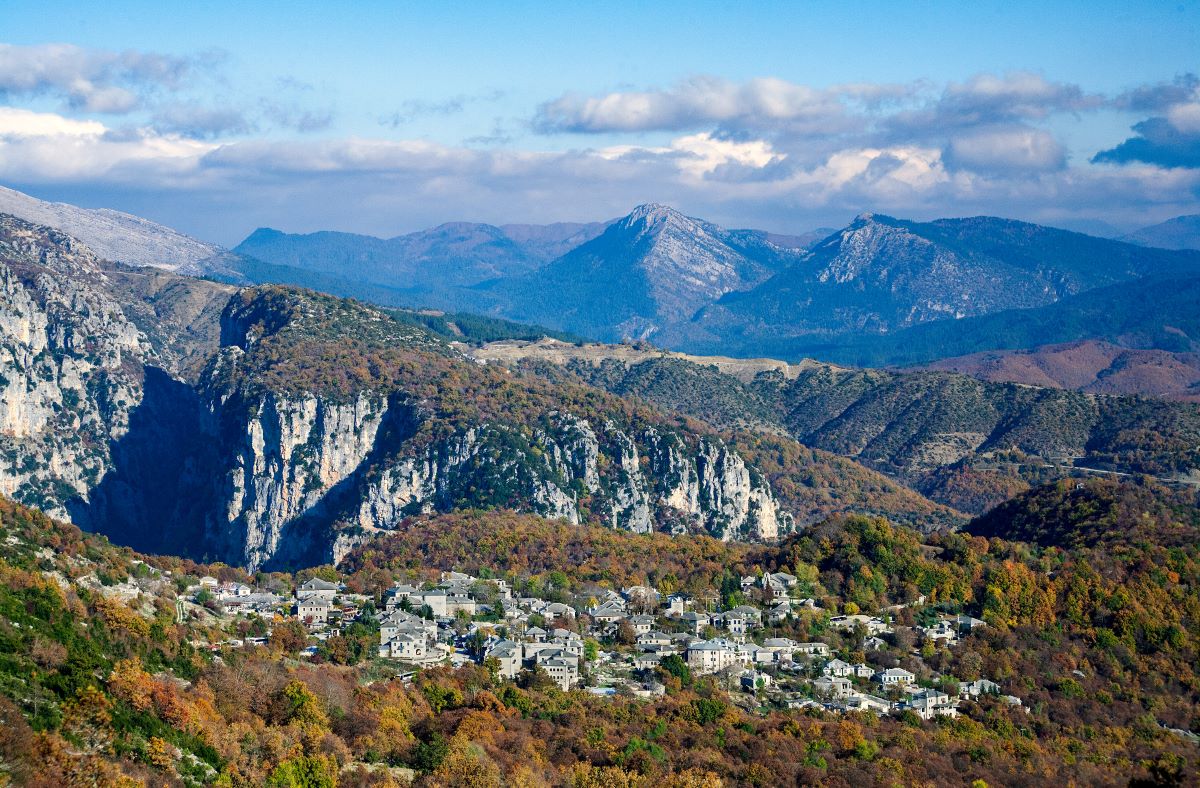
{"x":1182,"y":232}
{"x":652,"y":268}
{"x":427,"y":268}
{"x":120,"y":237}
{"x":880,"y":275}
{"x":1088,"y":365}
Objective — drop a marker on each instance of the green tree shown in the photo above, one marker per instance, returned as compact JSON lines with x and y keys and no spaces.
{"x":305,"y":771}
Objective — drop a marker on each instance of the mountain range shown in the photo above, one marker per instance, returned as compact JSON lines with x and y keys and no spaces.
{"x":881,"y":275}
{"x":879,"y":292}
{"x":1182,"y":232}
{"x":424,"y":263}
{"x":274,"y":426}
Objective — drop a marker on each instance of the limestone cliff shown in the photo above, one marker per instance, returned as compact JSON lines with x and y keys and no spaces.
{"x":289,"y":426}
{"x":307,"y":479}
{"x":69,"y":368}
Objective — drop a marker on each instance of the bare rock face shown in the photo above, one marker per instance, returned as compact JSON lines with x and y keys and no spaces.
{"x":293,"y":453}
{"x":310,"y":479}
{"x":69,"y":369}
{"x":105,"y":421}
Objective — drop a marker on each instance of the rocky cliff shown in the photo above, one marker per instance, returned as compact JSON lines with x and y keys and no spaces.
{"x":69,"y":368}
{"x":309,"y":472}
{"x":276,"y":427}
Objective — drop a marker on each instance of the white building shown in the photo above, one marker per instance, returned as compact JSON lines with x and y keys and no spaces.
{"x":973,"y":689}
{"x":833,"y":687}
{"x":695,"y":623}
{"x":446,"y":603}
{"x":895,"y":677}
{"x":410,"y":648}
{"x":930,"y":703}
{"x":711,"y":656}
{"x":316,"y":588}
{"x":812,"y":649}
{"x":313,"y":611}
{"x":563,"y":668}
{"x":871,"y":624}
{"x":642,"y":624}
{"x":838,"y":668}
{"x":508,"y":654}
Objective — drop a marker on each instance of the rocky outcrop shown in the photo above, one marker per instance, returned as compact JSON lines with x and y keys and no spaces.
{"x":310,"y":479}
{"x":69,"y":369}
{"x":289,"y":455}
{"x":269,"y":457}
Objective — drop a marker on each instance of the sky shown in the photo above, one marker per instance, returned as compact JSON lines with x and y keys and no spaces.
{"x":384,"y":118}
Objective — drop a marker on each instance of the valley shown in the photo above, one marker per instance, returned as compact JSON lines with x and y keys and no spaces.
{"x":326,"y":492}
{"x":599,"y":395}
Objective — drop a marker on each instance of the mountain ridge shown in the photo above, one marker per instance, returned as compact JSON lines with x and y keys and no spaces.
{"x":881,"y":274}
{"x":652,"y":267}
{"x":960,"y":441}
{"x":1181,"y":232}
{"x":121,"y":237}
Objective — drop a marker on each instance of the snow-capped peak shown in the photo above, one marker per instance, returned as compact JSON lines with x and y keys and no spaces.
{"x":653,"y":213}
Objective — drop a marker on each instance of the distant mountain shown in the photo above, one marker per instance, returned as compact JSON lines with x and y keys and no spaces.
{"x":425,"y":268}
{"x":880,"y":292}
{"x":1154,"y":313}
{"x":803,"y":242}
{"x":1182,"y":232}
{"x":1097,"y":227}
{"x":1089,"y":365}
{"x":649,"y":269}
{"x":548,"y":241}
{"x":120,"y":237}
{"x":881,"y":275}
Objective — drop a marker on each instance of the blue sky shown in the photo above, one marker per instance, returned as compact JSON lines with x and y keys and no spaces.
{"x":387,"y":117}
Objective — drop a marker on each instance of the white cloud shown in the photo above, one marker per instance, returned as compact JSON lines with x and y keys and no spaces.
{"x":699,"y":101}
{"x":1185,"y":117}
{"x":20,"y":123}
{"x":41,"y":146}
{"x":698,"y":155}
{"x":1018,"y":94}
{"x":222,"y":191}
{"x":706,"y":153}
{"x":908,"y":167}
{"x":91,"y":80}
{"x":1009,"y":149}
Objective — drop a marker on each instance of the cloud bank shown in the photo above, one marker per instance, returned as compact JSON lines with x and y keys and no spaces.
{"x":764,"y":152}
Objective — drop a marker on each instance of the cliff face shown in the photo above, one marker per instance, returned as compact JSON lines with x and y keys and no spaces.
{"x":336,"y":423}
{"x":307,"y":479}
{"x":313,"y":424}
{"x":69,"y":369}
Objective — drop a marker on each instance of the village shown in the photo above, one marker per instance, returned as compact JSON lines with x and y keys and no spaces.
{"x":635,"y":641}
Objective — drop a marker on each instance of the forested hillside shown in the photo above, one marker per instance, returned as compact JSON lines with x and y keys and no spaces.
{"x":961,"y":441}
{"x":99,"y":684}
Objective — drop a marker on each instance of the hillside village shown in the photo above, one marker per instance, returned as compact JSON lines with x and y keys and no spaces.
{"x":630,"y":641}
{"x":786,"y":660}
